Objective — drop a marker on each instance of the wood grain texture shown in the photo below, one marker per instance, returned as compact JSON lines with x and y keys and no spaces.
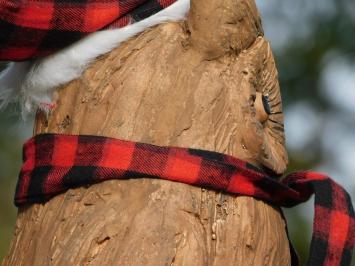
{"x":182,"y":84}
{"x":149,"y":222}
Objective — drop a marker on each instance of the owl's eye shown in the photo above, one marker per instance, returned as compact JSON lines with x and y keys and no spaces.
{"x":266,"y":104}
{"x":262,"y":107}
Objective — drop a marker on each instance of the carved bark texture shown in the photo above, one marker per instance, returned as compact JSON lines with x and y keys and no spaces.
{"x":190,"y":84}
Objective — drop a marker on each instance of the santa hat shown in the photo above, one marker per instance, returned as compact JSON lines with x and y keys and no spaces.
{"x":60,"y":38}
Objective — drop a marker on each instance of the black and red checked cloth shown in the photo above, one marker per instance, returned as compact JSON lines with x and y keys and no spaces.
{"x":33,"y":28}
{"x":55,"y":163}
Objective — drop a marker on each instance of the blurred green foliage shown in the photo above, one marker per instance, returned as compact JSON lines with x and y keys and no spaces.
{"x":300,"y":60}
{"x":12,"y":134}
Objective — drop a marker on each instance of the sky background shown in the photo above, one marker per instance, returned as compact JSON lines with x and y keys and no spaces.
{"x":314,"y":47}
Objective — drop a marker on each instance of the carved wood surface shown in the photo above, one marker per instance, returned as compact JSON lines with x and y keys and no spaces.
{"x":192,"y":84}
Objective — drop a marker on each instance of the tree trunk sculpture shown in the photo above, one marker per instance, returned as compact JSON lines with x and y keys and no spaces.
{"x":200,"y":84}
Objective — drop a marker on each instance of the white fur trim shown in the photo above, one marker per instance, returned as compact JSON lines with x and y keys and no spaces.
{"x":33,"y":82}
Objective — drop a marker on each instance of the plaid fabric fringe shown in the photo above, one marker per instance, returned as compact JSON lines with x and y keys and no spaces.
{"x":31,"y":29}
{"x":55,"y":163}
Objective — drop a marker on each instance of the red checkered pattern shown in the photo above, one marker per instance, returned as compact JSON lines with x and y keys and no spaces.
{"x":32,"y":28}
{"x":55,"y":163}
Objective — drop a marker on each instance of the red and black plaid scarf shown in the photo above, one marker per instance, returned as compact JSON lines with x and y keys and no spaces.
{"x":55,"y":163}
{"x":32,"y":28}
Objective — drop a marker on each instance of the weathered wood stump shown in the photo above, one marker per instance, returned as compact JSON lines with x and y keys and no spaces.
{"x":191,"y":84}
